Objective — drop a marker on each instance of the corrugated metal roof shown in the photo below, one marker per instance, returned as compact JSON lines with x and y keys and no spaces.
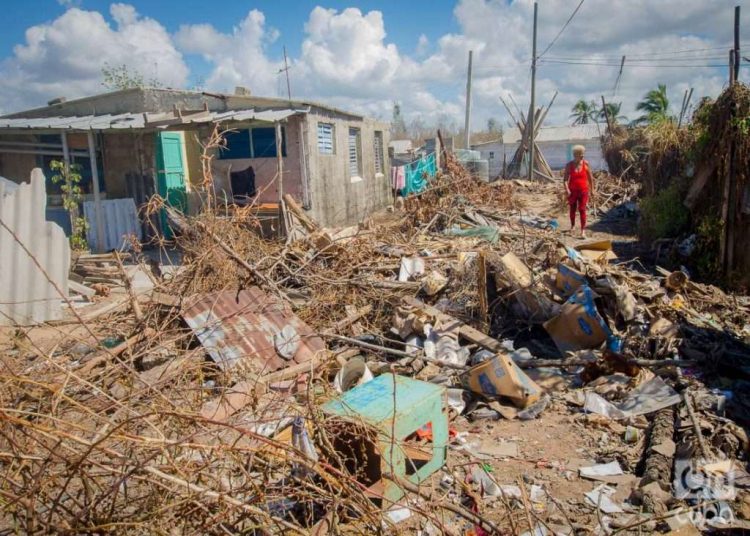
{"x":138,"y":121}
{"x":562,"y":133}
{"x":32,"y":276}
{"x":244,"y":328}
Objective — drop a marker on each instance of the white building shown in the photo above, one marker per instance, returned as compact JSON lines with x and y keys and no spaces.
{"x":556,"y":143}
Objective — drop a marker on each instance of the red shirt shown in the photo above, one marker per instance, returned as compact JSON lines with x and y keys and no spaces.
{"x":578,"y":180}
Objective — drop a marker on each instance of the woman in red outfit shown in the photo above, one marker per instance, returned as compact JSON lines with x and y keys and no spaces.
{"x":579,"y":182}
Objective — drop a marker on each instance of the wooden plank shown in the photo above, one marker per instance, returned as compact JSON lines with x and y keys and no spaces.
{"x":83,"y":290}
{"x":309,"y":224}
{"x":467,"y":332}
{"x":699,"y":182}
{"x":105,"y":355}
{"x":484,"y":306}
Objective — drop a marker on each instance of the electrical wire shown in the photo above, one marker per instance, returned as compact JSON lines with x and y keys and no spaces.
{"x":561,"y":29}
{"x":600,"y":64}
{"x":631,"y":60}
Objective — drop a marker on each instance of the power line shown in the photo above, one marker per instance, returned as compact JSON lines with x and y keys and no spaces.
{"x":561,"y":29}
{"x":635,"y":60}
{"x":671,"y":52}
{"x":599,"y":64}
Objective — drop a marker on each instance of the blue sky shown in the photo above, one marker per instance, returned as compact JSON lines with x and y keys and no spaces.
{"x":366,"y":55}
{"x":405,"y":20}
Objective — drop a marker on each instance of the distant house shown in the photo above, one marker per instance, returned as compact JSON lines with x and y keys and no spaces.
{"x":556,"y":143}
{"x":141,"y":141}
{"x":400,"y":147}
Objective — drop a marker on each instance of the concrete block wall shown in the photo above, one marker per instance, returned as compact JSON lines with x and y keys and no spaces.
{"x":337,"y":198}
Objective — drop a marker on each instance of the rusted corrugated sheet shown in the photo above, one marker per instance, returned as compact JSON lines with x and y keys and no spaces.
{"x":243,"y":329}
{"x":34,"y":273}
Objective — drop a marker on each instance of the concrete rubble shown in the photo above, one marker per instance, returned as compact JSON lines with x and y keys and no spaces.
{"x":451,"y":367}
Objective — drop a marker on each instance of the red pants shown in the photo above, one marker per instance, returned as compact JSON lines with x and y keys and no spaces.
{"x":578,"y":199}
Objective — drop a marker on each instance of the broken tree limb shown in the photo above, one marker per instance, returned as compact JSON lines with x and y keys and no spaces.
{"x":658,"y":465}
{"x":180,"y":220}
{"x":705,"y":452}
{"x":400,"y":353}
{"x":350,"y":319}
{"x":190,"y":488}
{"x":134,"y":305}
{"x":103,"y":356}
{"x":475,"y":518}
{"x":307,"y":222}
{"x":575,"y":362}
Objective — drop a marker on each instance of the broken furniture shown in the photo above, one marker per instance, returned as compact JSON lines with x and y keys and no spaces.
{"x":394,"y":407}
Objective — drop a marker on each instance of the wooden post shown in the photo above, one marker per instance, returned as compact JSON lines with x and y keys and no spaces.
{"x":280,"y":172}
{"x":99,"y":216}
{"x":467,"y":118}
{"x":66,"y":150}
{"x":606,"y":116}
{"x":731,"y":66}
{"x":736,"y":43}
{"x":532,"y":105}
{"x":286,"y":70}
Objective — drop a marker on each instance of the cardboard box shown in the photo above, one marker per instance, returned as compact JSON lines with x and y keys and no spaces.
{"x":500,"y":376}
{"x":568,"y":279}
{"x":579,"y":325}
{"x":600,"y":251}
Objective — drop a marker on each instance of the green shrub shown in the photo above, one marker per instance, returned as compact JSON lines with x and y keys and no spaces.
{"x":706,"y":255}
{"x":663,"y":215}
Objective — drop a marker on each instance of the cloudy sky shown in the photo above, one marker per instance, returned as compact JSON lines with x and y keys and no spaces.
{"x":365,"y":55}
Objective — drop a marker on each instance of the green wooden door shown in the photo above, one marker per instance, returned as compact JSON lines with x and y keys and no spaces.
{"x":170,"y":174}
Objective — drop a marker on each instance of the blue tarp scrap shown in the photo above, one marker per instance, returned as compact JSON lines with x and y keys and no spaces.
{"x":418,"y":173}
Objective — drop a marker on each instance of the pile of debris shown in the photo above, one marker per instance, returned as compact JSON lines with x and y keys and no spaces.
{"x":365,"y":380}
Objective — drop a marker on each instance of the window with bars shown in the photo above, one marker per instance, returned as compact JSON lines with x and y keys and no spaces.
{"x":379,"y":158}
{"x":355,"y":152}
{"x":326,"y":138}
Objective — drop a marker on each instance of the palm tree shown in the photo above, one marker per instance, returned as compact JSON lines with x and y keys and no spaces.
{"x":613,"y":111}
{"x":655,"y":106}
{"x":583,"y":112}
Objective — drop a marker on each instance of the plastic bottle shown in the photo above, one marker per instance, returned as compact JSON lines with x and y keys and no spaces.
{"x":301,"y":441}
{"x":430,"y":340}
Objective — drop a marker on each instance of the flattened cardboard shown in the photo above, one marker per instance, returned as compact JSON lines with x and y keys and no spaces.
{"x":597,"y":251}
{"x":500,"y":376}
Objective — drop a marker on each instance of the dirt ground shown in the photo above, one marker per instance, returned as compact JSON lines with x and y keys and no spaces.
{"x":550,"y":449}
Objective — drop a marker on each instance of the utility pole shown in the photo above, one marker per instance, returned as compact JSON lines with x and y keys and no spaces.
{"x":286,"y":71}
{"x":736,"y":43}
{"x":729,"y":205}
{"x":530,"y":123}
{"x":467,"y":119}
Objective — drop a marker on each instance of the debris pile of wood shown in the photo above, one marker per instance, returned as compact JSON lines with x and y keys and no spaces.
{"x":350,"y":381}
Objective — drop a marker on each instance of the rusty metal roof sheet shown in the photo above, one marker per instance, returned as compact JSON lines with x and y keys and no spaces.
{"x":251,"y":329}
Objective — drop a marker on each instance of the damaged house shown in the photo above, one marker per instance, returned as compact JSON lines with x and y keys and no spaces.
{"x":136,"y":142}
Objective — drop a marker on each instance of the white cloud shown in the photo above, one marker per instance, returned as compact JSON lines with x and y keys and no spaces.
{"x":602,"y":31}
{"x":347,"y":59}
{"x":237,"y":58}
{"x":65,"y":57}
{"x":346,"y":53}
